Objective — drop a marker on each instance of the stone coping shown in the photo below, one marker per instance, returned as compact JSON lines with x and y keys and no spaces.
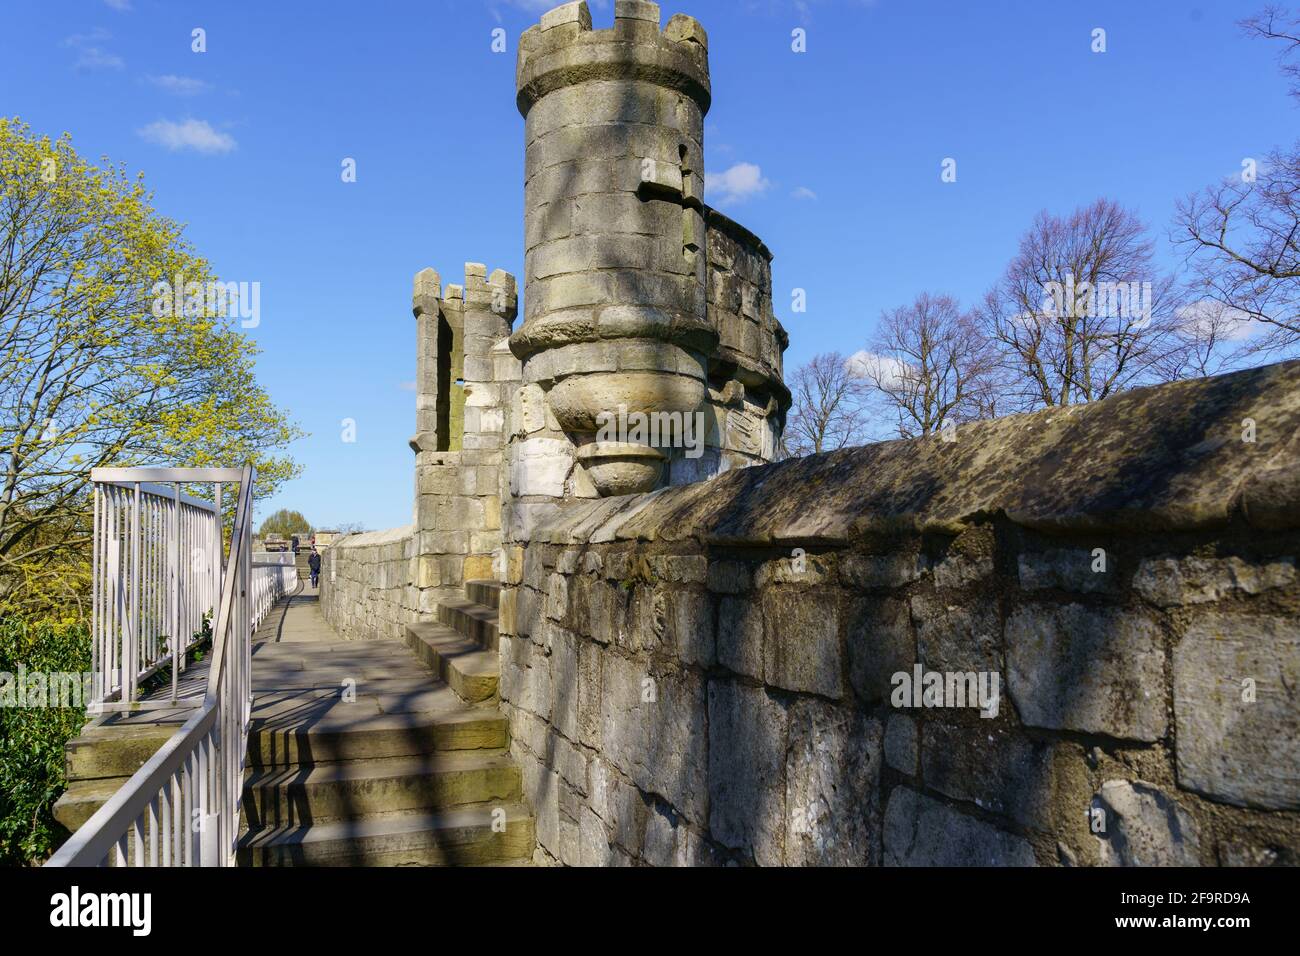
{"x":1166,"y":457}
{"x":370,"y":538}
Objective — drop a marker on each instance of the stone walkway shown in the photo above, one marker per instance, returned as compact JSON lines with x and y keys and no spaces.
{"x":358,"y":751}
{"x":296,"y":619}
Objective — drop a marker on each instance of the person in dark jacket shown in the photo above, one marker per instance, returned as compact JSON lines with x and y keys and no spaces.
{"x":314,"y":564}
{"x":294,"y":544}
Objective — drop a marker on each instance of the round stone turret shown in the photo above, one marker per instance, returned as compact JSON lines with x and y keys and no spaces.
{"x":614,"y":266}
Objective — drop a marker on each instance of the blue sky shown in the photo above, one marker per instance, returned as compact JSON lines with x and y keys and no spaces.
{"x":245,"y":141}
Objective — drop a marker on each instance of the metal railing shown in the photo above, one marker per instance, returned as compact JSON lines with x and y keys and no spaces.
{"x":156,"y":575}
{"x":182,"y":807}
{"x":272,"y":579}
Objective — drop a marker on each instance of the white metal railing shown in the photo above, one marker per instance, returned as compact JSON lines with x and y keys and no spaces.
{"x":271,"y":580}
{"x":156,"y":573}
{"x":182,"y":807}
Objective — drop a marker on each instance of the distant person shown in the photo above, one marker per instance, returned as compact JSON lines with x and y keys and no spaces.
{"x":314,"y":564}
{"x":293,"y":542}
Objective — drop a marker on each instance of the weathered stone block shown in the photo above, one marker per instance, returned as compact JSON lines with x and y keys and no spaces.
{"x":880,"y":644}
{"x":653,"y":730}
{"x":594,"y":839}
{"x":1168,"y":582}
{"x":728,"y":577}
{"x":1145,"y":827}
{"x":535,"y":691}
{"x":880,"y":571}
{"x":832,"y":780}
{"x":901,"y":746}
{"x":679,"y":568}
{"x":670,"y":842}
{"x":690,"y":616}
{"x":804,"y":569}
{"x":427,"y":572}
{"x":957,"y":636}
{"x":564,"y":680}
{"x":589,"y":694}
{"x":998,"y":771}
{"x":538,"y":466}
{"x":740,"y":636}
{"x":477,"y":567}
{"x":541,"y":788}
{"x":557,"y":597}
{"x":747,"y":749}
{"x":1237,"y":709}
{"x":960,"y":570}
{"x":1093,"y":670}
{"x":1069,"y":569}
{"x":617,"y":803}
{"x":801,"y":641}
{"x":921,"y":831}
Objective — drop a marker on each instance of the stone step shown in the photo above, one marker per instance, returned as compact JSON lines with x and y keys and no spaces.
{"x":473,"y":620}
{"x":415,"y":721}
{"x":83,"y":798}
{"x":359,"y":788}
{"x":114,"y":750}
{"x":463,"y":836}
{"x":486,"y":593}
{"x":459,"y":661}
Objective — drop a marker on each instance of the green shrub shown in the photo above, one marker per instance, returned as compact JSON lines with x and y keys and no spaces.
{"x":32,"y":739}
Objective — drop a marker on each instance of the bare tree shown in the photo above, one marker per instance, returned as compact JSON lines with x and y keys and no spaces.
{"x":1208,"y":338}
{"x":1276,"y":23}
{"x":1242,"y":237}
{"x":929,"y":365}
{"x":1080,"y":312}
{"x":827,"y":411}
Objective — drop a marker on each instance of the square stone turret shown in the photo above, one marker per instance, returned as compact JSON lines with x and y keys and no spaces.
{"x":465,"y":380}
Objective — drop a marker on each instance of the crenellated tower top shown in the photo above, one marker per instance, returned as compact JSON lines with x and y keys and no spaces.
{"x":563,"y":50}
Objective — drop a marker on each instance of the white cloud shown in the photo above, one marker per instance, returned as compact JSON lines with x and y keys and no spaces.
{"x":889,"y":372}
{"x":122,"y":6}
{"x":90,"y":53}
{"x":736,"y":184}
{"x":193,"y":134}
{"x":408,"y":386}
{"x":803,"y":192}
{"x":1206,"y":316}
{"x":179,"y":85}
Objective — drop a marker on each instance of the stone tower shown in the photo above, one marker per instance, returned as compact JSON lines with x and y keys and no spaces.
{"x":639,"y":299}
{"x":614,"y":284}
{"x":465,"y":378}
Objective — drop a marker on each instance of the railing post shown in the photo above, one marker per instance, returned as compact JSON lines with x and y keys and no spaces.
{"x":96,"y":616}
{"x":177,"y":645}
{"x":133,"y":638}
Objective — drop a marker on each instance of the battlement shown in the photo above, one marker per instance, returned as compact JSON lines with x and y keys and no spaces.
{"x":498,"y":292}
{"x":563,"y":49}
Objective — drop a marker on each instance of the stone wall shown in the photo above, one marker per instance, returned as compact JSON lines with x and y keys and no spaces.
{"x":365,"y":589}
{"x":706,"y":674}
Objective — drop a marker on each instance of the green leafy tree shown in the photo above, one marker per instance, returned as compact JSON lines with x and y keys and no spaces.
{"x":90,"y":372}
{"x":285,"y":523}
{"x":32,"y":762}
